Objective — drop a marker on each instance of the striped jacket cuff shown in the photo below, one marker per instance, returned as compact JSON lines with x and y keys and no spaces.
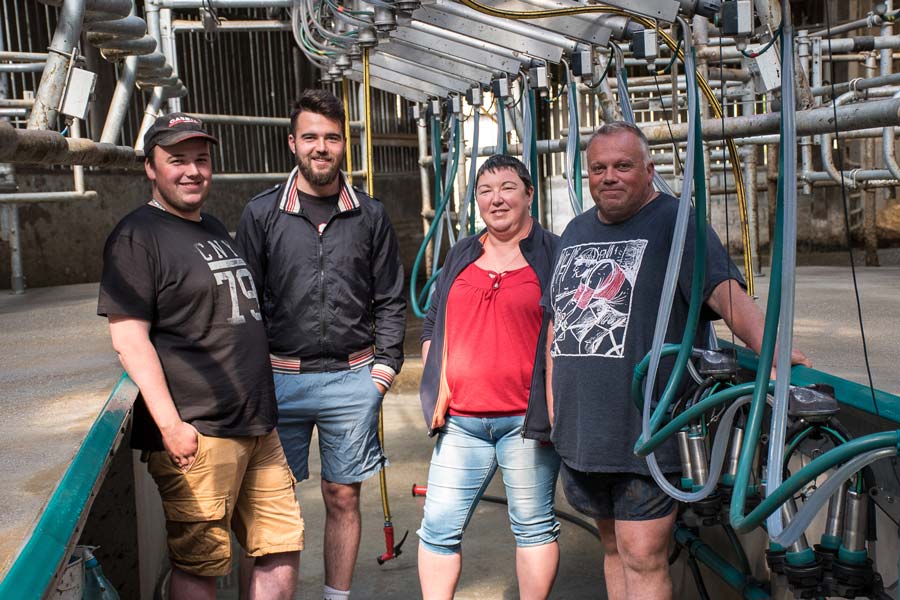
{"x":383,"y":374}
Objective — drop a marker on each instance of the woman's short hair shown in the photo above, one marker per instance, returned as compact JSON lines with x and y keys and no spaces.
{"x":504,"y":161}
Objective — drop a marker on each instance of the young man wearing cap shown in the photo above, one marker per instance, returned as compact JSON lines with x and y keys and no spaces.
{"x":185,"y":321}
{"x":326,"y":260}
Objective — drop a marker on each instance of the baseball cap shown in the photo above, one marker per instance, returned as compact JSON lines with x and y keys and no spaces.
{"x":174,"y":128}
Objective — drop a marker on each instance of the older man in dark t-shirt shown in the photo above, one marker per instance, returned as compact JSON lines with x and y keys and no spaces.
{"x":185,"y":321}
{"x":603,"y":302}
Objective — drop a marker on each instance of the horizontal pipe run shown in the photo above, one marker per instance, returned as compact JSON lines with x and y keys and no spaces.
{"x":30,"y":146}
{"x":223,"y":4}
{"x":22,"y":67}
{"x":243,"y":120}
{"x":261,"y":25}
{"x":8,"y":56}
{"x":277,"y":177}
{"x":13,"y":112}
{"x":37,"y":197}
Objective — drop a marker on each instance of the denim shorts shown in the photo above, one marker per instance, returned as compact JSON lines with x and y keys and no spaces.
{"x":467,"y":453}
{"x":619,"y":496}
{"x":343,"y":406}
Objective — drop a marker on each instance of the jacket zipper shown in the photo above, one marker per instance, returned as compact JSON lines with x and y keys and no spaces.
{"x":321,"y":260}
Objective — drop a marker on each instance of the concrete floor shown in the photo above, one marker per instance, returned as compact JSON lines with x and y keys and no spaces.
{"x":57,"y":368}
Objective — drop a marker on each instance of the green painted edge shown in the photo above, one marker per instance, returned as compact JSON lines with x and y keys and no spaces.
{"x":40,"y":558}
{"x":847,"y":392}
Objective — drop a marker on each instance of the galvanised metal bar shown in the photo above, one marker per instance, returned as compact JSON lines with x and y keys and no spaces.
{"x":245,"y":120}
{"x":519,"y":28}
{"x":53,"y":80}
{"x":29,"y":146}
{"x":223,"y":4}
{"x":118,"y":106}
{"x":24,"y":56}
{"x":38,"y":197}
{"x":22,"y":67}
{"x":179,"y":25}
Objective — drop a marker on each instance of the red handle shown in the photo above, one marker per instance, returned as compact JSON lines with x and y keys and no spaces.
{"x":419,"y":490}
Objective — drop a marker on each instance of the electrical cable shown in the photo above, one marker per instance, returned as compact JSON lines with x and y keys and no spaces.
{"x":846,"y":206}
{"x":698,"y":577}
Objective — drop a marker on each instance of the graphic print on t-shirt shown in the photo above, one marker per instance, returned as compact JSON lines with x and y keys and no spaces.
{"x":231,"y":270}
{"x":591,"y":293}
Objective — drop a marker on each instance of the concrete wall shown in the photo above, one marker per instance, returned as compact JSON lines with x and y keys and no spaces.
{"x":62,"y":243}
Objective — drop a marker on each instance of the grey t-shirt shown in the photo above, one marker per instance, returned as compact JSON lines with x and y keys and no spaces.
{"x":603,"y":298}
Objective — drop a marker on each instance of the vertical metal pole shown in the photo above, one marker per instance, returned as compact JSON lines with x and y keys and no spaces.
{"x":749,"y":165}
{"x":367,"y":96}
{"x":77,"y":170}
{"x":424,"y":186}
{"x":700,"y":28}
{"x":15,"y":249}
{"x":9,"y":215}
{"x":870,"y":233}
{"x":167,"y":37}
{"x":118,"y":106}
{"x":348,"y":150}
{"x":53,"y":80}
{"x":150,"y":114}
{"x":363,"y":130}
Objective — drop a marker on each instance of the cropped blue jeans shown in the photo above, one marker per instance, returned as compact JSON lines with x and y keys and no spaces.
{"x":465,"y":458}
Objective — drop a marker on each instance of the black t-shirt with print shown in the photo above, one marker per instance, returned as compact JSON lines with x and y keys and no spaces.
{"x":603,"y":298}
{"x":187,"y":280}
{"x":318,"y":209}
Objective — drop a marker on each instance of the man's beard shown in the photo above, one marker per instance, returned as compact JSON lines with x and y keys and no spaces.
{"x":318,"y":178}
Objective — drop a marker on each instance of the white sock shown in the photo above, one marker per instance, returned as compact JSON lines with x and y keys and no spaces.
{"x":333,"y":594}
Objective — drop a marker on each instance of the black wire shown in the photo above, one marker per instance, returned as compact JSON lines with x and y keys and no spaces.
{"x":840,"y":157}
{"x":605,"y":72}
{"x":698,"y":577}
{"x":559,"y":515}
{"x":666,"y":117}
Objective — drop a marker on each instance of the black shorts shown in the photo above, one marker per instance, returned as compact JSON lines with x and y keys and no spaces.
{"x":619,"y":496}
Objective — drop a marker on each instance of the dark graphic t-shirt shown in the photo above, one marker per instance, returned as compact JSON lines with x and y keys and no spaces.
{"x":318,"y":209}
{"x":603,"y":298}
{"x":187,"y":280}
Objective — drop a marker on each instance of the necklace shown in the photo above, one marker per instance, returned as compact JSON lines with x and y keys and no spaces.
{"x":157,"y":204}
{"x":498,"y":273}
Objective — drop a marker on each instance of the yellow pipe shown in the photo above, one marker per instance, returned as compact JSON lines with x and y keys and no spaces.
{"x":348,"y":153}
{"x":370,"y":188}
{"x":704,"y":87}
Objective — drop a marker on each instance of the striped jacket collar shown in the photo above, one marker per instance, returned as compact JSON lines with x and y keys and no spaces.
{"x":290,"y":201}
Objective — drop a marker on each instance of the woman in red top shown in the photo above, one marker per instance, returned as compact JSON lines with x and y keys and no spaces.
{"x":486,"y":317}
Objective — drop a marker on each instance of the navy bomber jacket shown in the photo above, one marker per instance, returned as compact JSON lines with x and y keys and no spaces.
{"x":539,"y":250}
{"x":332,"y":300}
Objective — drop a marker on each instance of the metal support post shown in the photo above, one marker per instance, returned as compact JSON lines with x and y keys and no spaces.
{"x":424,"y":186}
{"x":53,"y":80}
{"x":118,"y":106}
{"x":167,"y":39}
{"x":17,"y":280}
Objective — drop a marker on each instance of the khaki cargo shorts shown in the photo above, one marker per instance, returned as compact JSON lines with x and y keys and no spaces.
{"x":242,"y":485}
